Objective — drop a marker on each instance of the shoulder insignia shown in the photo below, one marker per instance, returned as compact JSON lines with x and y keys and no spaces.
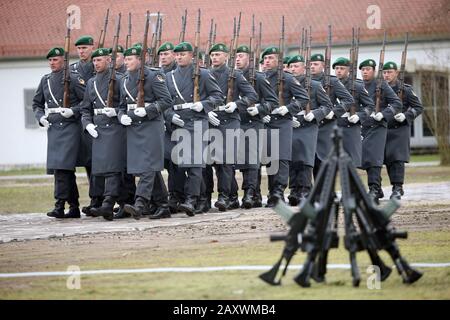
{"x":160,"y":77}
{"x":81,"y":81}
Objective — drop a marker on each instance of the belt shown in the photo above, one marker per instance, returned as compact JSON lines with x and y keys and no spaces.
{"x":54,"y":110}
{"x":183,"y":106}
{"x":220,"y":108}
{"x":99,"y":111}
{"x":133,"y":106}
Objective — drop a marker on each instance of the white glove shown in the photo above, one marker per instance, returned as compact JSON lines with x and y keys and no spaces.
{"x":330,"y":115}
{"x":66,"y":112}
{"x":230,"y":107}
{"x":110,"y":112}
{"x":353,"y":119}
{"x":253,"y":111}
{"x":377,"y":116}
{"x":295,"y":122}
{"x":197,"y":106}
{"x":43,"y":120}
{"x":176,"y":120}
{"x":125,"y":120}
{"x":280,"y":110}
{"x":346,"y":115}
{"x":213,"y":118}
{"x":91,"y":129}
{"x":310,"y":116}
{"x":140,"y":112}
{"x":400,"y":117}
{"x":266,"y":119}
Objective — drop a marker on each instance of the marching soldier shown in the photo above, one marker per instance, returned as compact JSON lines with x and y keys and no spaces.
{"x":280,"y":121}
{"x":399,"y":130}
{"x":120,"y":60}
{"x":251,"y":120}
{"x":145,"y":128}
{"x":109,"y":140}
{"x":305,"y":132}
{"x":226,"y":118}
{"x":336,"y":92}
{"x":351,"y":124}
{"x":374,"y":129}
{"x":63,"y":131}
{"x":191,"y":117}
{"x":167,"y":57}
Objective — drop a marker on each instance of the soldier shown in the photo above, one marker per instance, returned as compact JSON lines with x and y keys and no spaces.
{"x":305,"y":132}
{"x":335,"y":91}
{"x":120,"y":64}
{"x":100,"y":121}
{"x":399,"y":130}
{"x":145,"y":128}
{"x":374,"y":129}
{"x":251,"y":120}
{"x":63,"y":131}
{"x":351,"y":124}
{"x":226,"y":118}
{"x":85,"y":68}
{"x":286,"y":64}
{"x":280,"y":121}
{"x":190,"y":117}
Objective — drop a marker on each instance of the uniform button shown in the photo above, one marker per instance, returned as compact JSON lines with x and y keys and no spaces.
{"x":249,"y":121}
{"x":348,"y":126}
{"x":107,"y":125}
{"x":139,"y":122}
{"x":60,"y":123}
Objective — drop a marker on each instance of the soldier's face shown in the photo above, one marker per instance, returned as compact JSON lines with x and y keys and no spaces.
{"x":317,"y":67}
{"x":56,"y":63}
{"x":270,"y":61}
{"x":297,"y":68}
{"x":119,"y":59}
{"x":242,"y":60}
{"x":368,"y":73}
{"x":101,"y":63}
{"x":84,"y":52}
{"x":218,"y":58}
{"x":341,"y":72}
{"x":132,"y":63}
{"x":390,"y":75}
{"x":184,"y":58}
{"x":166,"y":57}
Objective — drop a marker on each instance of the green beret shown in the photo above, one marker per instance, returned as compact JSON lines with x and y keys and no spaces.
{"x":318,"y":57}
{"x":218,"y":47}
{"x":341,"y":61}
{"x":133,"y":51}
{"x":85,"y":41}
{"x":119,"y":49}
{"x":166,"y":46}
{"x":368,"y":63}
{"x":183,"y":46}
{"x":55,"y":52}
{"x":243,"y":48}
{"x":286,"y":59}
{"x":296,"y":58}
{"x":390,"y":65}
{"x":100,"y":52}
{"x":137,"y":45}
{"x":270,"y":50}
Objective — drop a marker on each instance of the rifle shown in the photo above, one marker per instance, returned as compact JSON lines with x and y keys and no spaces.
{"x":207,"y":61}
{"x":380,"y":76}
{"x":101,"y":39}
{"x":158,"y":44}
{"x":66,"y":96}
{"x":301,"y":48}
{"x":183,"y":26}
{"x":354,"y":66}
{"x":308,"y":68}
{"x":280,"y":81}
{"x":214,"y":34}
{"x":328,"y":62}
{"x":251,"y":65}
{"x":258,"y":47}
{"x":112,"y":79}
{"x":154,"y":41}
{"x":140,"y":97}
{"x":231,"y":76}
{"x":196,"y":74}
{"x":232,"y":39}
{"x":401,"y":75}
{"x":128,"y":41}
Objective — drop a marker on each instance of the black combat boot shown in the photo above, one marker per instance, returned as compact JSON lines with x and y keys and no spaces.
{"x":58,"y":211}
{"x":173,"y":202}
{"x":222,"y":202}
{"x":374,"y":194}
{"x":234,"y":202}
{"x":202,"y":205}
{"x":106,"y":210}
{"x":257,"y":200}
{"x":121,"y":214}
{"x":397,"y":192}
{"x":96,"y":202}
{"x":138,"y":209}
{"x":74,"y":210}
{"x":162,"y":212}
{"x":294,"y":198}
{"x":189,"y":205}
{"x":247,"y":200}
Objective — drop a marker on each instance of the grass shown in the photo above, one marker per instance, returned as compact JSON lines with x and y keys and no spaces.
{"x":424,"y":157}
{"x":420,"y":247}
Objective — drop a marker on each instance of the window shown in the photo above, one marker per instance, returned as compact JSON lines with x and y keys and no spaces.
{"x":30,"y":120}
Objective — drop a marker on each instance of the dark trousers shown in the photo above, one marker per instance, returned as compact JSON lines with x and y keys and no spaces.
{"x":279,"y":181}
{"x":128,"y":190}
{"x":113,"y":184}
{"x":249,"y":179}
{"x":145,"y":185}
{"x":374,"y":176}
{"x":66,"y":187}
{"x":159,"y":194}
{"x":96,"y":186}
{"x":317,"y":163}
{"x":300,"y":177}
{"x":224,"y":173}
{"x":193,"y":181}
{"x":396,"y":172}
{"x":176,"y":178}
